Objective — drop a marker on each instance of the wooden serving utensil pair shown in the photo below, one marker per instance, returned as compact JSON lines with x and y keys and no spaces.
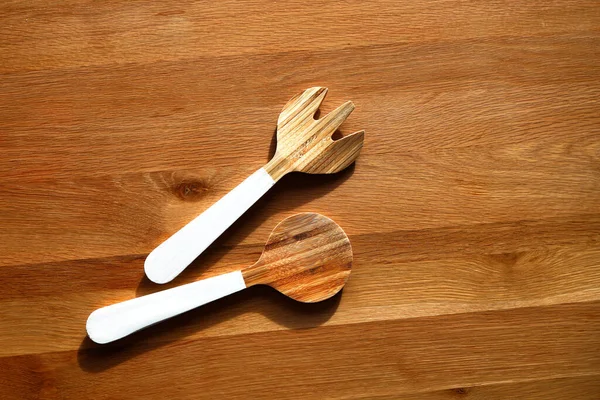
{"x":308,"y":257}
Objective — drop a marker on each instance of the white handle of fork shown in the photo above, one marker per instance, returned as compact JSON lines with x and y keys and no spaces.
{"x":118,"y":320}
{"x":172,"y":256}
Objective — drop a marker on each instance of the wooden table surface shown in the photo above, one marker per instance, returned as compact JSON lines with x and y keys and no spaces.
{"x":473,"y":209}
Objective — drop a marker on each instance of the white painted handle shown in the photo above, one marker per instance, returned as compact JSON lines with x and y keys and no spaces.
{"x":177,"y":252}
{"x":119,"y":320}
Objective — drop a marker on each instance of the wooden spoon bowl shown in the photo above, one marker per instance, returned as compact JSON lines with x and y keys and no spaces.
{"x":308,"y":257}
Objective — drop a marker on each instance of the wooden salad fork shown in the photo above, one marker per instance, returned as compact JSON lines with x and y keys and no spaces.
{"x":303,"y":144}
{"x":308,"y":257}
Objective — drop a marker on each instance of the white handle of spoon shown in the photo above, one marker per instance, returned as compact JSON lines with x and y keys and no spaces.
{"x":172,"y":256}
{"x":118,"y":320}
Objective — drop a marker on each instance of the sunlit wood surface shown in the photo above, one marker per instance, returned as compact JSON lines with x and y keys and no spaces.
{"x":473,"y":209}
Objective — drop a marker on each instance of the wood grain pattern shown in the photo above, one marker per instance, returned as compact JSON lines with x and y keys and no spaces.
{"x":307,"y":257}
{"x":473,"y":209}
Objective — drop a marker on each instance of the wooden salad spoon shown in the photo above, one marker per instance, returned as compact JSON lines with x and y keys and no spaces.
{"x":303,"y":144}
{"x":307,"y":257}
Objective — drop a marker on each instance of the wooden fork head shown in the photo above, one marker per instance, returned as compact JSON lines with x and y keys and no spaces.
{"x":305,"y":144}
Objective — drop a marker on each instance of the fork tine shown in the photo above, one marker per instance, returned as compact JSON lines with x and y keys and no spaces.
{"x":338,"y":155}
{"x":329,"y":123}
{"x":302,"y":106}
